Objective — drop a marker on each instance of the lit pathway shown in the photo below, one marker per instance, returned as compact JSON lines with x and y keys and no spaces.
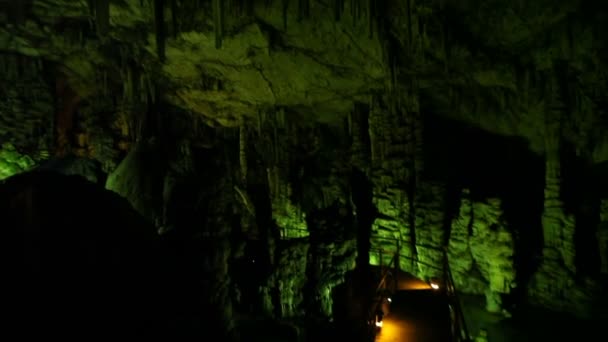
{"x":396,"y":330}
{"x":416,"y":314}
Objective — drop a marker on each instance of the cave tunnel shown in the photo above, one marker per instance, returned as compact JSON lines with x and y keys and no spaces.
{"x":189,"y":169}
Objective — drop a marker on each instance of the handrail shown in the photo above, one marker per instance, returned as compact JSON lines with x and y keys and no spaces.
{"x":374,"y":308}
{"x":409,"y":242}
{"x":459,"y":313}
{"x":408,"y":258}
{"x":386,"y":272}
{"x":460,"y":322}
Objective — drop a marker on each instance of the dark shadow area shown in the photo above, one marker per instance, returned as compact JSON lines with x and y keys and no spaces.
{"x":530,"y":324}
{"x":451,"y":204}
{"x":349,"y":312}
{"x":365,"y":214}
{"x":80,"y":262}
{"x":581,"y":196}
{"x":490,"y":166}
{"x":72,"y":165}
{"x":248,"y":273}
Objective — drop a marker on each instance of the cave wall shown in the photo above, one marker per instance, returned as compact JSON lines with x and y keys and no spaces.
{"x":236,"y":124}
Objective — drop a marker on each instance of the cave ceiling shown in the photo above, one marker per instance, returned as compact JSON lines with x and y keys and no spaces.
{"x":494,"y":64}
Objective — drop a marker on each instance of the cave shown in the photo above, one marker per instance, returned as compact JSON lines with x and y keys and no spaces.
{"x":259,"y":170}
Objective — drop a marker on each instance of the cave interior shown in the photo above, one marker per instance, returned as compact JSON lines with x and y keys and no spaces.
{"x":233,"y":168}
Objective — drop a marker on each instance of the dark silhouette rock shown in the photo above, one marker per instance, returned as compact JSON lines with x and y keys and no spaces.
{"x":79,"y":260}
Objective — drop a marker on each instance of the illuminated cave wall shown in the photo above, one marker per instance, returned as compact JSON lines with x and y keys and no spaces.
{"x":12,"y":162}
{"x":325,"y":134}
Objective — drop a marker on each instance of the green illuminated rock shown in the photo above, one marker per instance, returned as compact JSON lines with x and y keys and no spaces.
{"x":481,"y":251}
{"x":12,"y":162}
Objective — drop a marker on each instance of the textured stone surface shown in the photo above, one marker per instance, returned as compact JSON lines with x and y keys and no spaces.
{"x":553,"y":285}
{"x":481,"y":251}
{"x":289,"y":278}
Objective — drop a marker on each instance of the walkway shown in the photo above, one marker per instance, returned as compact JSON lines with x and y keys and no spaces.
{"x":416,"y":316}
{"x":415,"y":312}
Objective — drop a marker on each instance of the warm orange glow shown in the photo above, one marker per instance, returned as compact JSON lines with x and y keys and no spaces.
{"x":395,"y":330}
{"x":413,"y":284}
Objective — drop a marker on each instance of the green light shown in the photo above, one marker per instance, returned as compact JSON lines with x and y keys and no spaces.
{"x":12,"y":162}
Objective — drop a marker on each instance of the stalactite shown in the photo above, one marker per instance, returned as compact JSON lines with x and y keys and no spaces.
{"x":243,"y":152}
{"x":281,"y":118}
{"x":174,"y":19}
{"x":159,"y":21}
{"x":338,"y":7}
{"x":259,"y":122}
{"x":143,"y":94}
{"x":393,"y":65}
{"x":151,"y":89}
{"x":303,"y":9}
{"x":371,"y":16}
{"x":284,"y":8}
{"x":444,"y":46}
{"x":275,"y":143}
{"x":250,"y":8}
{"x":127,"y":85}
{"x":371,"y":117}
{"x":18,"y":11}
{"x":102,"y":16}
{"x":105,"y":82}
{"x":218,"y":22}
{"x":409,"y":21}
{"x":349,"y":123}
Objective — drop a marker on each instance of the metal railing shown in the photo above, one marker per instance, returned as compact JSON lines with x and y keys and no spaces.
{"x":460,"y":329}
{"x":371,"y":318}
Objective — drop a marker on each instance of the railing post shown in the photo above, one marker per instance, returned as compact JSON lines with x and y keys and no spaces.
{"x":397,"y":266}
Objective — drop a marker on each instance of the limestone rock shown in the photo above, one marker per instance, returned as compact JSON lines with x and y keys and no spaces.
{"x":481,"y":251}
{"x":138,"y":178}
{"x":289,"y":278}
{"x":12,"y":162}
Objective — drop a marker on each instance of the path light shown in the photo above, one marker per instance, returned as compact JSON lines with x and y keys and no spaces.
{"x":435,"y":286}
{"x":389,"y":299}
